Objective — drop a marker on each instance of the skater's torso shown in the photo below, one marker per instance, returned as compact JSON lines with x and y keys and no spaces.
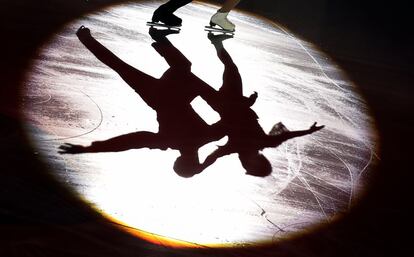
{"x":178,"y":122}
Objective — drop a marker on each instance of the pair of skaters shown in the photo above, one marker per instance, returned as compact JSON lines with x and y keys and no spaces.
{"x":180,"y":127}
{"x":165,"y":14}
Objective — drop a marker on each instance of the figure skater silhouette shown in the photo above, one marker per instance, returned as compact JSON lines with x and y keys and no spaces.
{"x":240,"y":123}
{"x":180,"y":127}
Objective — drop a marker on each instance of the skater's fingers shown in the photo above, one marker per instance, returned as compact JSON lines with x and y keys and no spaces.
{"x":66,"y":145}
{"x":316,"y":128}
{"x":83,"y":28}
{"x":63,"y":147}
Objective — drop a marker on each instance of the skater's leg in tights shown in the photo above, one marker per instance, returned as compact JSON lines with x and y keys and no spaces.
{"x":228,"y":5}
{"x":164,"y":13}
{"x":172,"y":5}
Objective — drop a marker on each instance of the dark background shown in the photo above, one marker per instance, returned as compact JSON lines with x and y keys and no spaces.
{"x":368,"y":39}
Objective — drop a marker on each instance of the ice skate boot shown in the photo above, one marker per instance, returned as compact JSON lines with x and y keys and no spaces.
{"x":164,"y":18}
{"x":220,"y":19}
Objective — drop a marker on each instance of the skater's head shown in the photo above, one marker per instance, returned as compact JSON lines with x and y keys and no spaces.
{"x":187,"y":165}
{"x":255,"y":164}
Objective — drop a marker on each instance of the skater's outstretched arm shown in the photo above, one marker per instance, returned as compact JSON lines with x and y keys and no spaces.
{"x":228,"y":5}
{"x":276,"y":140}
{"x":125,"y":142}
{"x":218,"y":153}
{"x":100,"y":51}
{"x":142,"y":83}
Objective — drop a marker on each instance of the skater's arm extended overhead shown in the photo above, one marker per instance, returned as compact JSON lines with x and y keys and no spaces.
{"x":100,"y":51}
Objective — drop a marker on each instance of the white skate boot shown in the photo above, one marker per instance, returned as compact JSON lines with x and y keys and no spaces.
{"x":220,"y":19}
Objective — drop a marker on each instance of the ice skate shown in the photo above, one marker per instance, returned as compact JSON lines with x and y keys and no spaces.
{"x":220,"y":20}
{"x":162,"y":18}
{"x":163,"y":25}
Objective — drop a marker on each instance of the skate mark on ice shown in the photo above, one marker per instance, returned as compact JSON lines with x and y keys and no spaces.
{"x":342,"y":118}
{"x":49,"y":97}
{"x":352,"y":181}
{"x":310,"y":55}
{"x":85,"y":133}
{"x":263,"y":212}
{"x":297,"y":174}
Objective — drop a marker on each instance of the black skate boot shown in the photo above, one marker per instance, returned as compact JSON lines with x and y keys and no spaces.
{"x":168,"y":18}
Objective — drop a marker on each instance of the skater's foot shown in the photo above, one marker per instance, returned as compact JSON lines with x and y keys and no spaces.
{"x":220,"y":19}
{"x":161,"y":34}
{"x":169,"y":19}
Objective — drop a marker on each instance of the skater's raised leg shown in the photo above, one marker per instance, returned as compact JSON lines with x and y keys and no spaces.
{"x":220,"y":17}
{"x":164,"y":13}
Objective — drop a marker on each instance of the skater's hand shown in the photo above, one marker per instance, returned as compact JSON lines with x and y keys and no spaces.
{"x":83,"y":32}
{"x":314,"y":128}
{"x":252,"y":98}
{"x":72,"y":149}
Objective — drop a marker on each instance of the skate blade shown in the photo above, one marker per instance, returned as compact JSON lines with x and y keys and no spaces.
{"x":162,"y":25}
{"x":219,"y":30}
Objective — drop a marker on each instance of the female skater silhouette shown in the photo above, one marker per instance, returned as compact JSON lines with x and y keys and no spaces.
{"x":240,"y":123}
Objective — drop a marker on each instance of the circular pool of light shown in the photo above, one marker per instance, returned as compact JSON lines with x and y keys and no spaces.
{"x":70,"y":96}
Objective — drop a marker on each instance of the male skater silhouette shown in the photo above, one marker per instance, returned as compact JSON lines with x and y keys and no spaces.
{"x":180,"y":127}
{"x":245,"y":136}
{"x":165,"y":14}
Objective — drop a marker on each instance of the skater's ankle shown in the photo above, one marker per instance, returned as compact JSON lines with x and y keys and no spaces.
{"x":222,"y":11}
